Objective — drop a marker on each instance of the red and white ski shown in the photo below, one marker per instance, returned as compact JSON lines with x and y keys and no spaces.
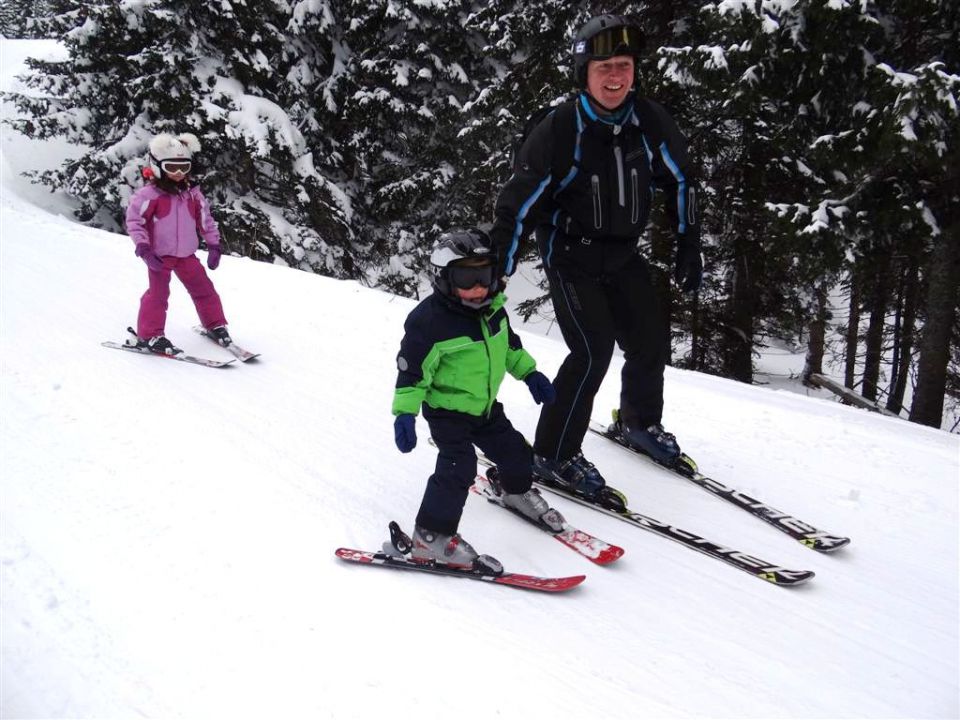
{"x":399,"y":562}
{"x":593,"y":548}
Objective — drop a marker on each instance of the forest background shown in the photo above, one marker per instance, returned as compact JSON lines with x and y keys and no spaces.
{"x":341,"y":137}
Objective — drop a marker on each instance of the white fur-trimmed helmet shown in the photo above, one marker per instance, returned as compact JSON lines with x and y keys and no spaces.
{"x":171,"y":147}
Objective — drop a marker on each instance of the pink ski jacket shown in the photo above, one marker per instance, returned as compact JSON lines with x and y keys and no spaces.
{"x":169,"y":222}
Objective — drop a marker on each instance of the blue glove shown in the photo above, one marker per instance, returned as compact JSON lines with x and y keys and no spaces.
{"x":405,"y":432}
{"x":540,"y":388}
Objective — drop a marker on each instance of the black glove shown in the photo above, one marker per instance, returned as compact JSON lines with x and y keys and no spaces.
{"x":688,"y":271}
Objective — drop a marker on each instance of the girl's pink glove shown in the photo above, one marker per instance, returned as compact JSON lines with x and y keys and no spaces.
{"x":146,"y":253}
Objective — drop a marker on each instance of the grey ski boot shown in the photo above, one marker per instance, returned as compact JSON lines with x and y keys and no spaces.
{"x":450,"y":550}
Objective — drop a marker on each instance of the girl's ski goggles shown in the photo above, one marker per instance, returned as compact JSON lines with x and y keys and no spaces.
{"x":175,"y":166}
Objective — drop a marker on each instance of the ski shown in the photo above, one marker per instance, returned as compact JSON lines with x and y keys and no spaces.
{"x":748,"y":563}
{"x":237,"y":351}
{"x":592,"y":548}
{"x":685,"y":467}
{"x":181,"y":357}
{"x":394,"y":555}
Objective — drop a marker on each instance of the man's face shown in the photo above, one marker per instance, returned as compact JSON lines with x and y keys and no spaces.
{"x":609,"y":81}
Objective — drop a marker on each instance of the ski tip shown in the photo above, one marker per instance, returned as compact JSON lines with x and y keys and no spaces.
{"x":354,"y":555}
{"x":787,"y":578}
{"x":825,"y":544}
{"x":609,"y":555}
{"x":530,"y":582}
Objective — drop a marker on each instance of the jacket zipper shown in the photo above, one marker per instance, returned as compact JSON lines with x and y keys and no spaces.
{"x":635,"y":196}
{"x":621,"y":193}
{"x":597,"y":213}
{"x":485,"y":332}
{"x":178,"y":203}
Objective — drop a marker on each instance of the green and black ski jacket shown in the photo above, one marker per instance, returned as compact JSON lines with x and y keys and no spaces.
{"x":454,"y":358}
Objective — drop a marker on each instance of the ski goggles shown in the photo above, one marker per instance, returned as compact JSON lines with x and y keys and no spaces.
{"x":623,"y":40}
{"x":468,"y":276}
{"x":175,"y":166}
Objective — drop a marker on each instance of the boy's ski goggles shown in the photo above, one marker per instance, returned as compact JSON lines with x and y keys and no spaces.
{"x":175,"y":166}
{"x":623,"y":40}
{"x":466,"y":276}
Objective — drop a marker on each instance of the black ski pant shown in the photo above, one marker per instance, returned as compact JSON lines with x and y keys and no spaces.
{"x":599,"y":300}
{"x":455,"y":434}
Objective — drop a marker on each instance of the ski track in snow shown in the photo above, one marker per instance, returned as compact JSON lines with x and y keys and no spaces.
{"x":167,"y":531}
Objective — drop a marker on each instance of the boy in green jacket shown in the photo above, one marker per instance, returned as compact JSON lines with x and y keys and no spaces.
{"x":457,"y":347}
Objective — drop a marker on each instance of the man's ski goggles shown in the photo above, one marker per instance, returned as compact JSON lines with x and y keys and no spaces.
{"x":623,"y":40}
{"x":467,"y":276}
{"x":175,"y":166}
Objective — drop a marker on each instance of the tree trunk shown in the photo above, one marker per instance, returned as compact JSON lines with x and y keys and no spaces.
{"x":879,"y":302}
{"x":738,"y":355}
{"x":943,"y":278}
{"x":911,"y":295}
{"x":853,"y":334}
{"x":817,"y":339}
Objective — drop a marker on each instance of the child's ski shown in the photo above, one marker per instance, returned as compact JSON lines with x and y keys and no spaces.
{"x":394,"y":555}
{"x":182,"y":357}
{"x":238,"y":352}
{"x":592,"y":548}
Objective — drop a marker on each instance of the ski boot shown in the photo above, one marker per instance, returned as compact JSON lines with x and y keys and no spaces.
{"x":161,"y":346}
{"x":652,"y":441}
{"x":579,"y":477}
{"x":450,"y":550}
{"x":158,"y":344}
{"x":220,"y":335}
{"x":530,"y":504}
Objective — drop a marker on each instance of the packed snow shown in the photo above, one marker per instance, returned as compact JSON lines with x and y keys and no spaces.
{"x":167,"y":531}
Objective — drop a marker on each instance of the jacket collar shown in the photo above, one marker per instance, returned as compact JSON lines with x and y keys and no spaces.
{"x":622,"y":116}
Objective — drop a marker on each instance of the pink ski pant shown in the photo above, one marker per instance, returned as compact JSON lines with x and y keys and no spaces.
{"x":153,"y":305}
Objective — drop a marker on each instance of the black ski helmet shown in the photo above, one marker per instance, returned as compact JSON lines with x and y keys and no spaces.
{"x":454,"y":261}
{"x":602,"y":37}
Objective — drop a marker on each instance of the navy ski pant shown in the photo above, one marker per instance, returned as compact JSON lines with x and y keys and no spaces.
{"x":595,"y":310}
{"x":455,"y":434}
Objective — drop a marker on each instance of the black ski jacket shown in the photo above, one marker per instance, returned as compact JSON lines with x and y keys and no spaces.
{"x":585,"y":183}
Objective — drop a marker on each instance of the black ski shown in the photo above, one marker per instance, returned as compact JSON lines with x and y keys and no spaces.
{"x":748,"y":563}
{"x":685,"y":467}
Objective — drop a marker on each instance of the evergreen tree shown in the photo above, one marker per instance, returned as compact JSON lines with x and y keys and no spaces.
{"x":138,"y":69}
{"x":408,"y":70}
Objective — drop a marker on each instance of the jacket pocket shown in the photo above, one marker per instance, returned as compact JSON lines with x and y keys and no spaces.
{"x":634,"y":197}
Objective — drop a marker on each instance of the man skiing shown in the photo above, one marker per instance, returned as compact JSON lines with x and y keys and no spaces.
{"x":456,"y":349}
{"x":583,"y":182}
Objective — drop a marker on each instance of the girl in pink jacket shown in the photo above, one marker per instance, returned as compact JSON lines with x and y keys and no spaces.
{"x":164,"y":219}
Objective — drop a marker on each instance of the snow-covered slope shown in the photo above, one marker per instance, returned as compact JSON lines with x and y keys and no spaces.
{"x":167,"y":531}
